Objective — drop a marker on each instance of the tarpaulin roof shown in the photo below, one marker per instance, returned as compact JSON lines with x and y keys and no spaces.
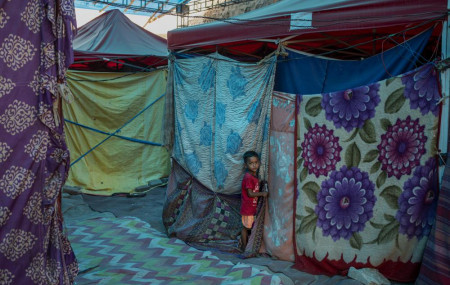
{"x":112,"y":35}
{"x":311,"y":19}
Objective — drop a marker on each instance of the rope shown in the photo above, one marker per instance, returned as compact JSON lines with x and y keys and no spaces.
{"x":118,"y":130}
{"x":106,"y":133}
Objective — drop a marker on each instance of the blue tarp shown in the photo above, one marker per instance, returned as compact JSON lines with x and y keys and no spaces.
{"x":304,"y":74}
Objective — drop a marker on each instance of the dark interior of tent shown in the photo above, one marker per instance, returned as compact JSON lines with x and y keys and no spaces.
{"x":341,"y":45}
{"x":117,"y":63}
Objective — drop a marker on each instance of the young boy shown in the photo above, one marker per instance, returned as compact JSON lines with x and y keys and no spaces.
{"x":250,"y":194}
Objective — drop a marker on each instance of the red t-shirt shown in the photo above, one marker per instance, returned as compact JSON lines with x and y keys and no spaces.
{"x":248,"y":205}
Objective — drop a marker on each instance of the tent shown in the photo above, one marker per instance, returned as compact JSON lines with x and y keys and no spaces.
{"x":313,"y":26}
{"x":334,"y":38}
{"x":113,"y":37}
{"x":114,"y":123}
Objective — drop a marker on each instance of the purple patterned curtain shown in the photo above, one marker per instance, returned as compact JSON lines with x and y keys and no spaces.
{"x":35,"y":51}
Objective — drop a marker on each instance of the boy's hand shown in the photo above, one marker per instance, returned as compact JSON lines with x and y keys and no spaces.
{"x":265,"y":194}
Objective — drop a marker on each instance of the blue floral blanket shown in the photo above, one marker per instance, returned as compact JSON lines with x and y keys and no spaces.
{"x":367,"y":176}
{"x":222,"y":109}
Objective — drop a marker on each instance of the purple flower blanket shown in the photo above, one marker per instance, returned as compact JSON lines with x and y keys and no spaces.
{"x":367,"y":176}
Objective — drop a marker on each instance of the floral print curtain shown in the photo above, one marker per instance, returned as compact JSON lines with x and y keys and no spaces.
{"x":222,"y":109}
{"x":35,"y":51}
{"x":367,"y":173}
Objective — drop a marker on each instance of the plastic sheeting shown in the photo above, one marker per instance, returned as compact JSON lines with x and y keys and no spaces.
{"x":305,"y":74}
{"x":106,"y":101}
{"x":222,"y":109}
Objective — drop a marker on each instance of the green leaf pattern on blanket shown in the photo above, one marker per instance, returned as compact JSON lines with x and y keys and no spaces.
{"x":395,"y":101}
{"x":385,"y":124}
{"x":375,"y":167}
{"x":390,"y":195}
{"x":311,"y":189}
{"x":371,"y":155}
{"x":388,"y":232}
{"x":356,"y":241}
{"x":313,"y":107}
{"x":381,"y":179}
{"x":303,"y":174}
{"x":308,"y":223}
{"x":355,"y":132}
{"x":367,"y":133}
{"x":352,"y":155}
{"x":307,"y":124}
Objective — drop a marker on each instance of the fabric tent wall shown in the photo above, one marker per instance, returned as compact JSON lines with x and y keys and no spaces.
{"x":106,"y":101}
{"x":35,"y":51}
{"x":370,"y":199}
{"x":222,"y":109}
{"x":278,"y":229}
{"x":258,"y":29}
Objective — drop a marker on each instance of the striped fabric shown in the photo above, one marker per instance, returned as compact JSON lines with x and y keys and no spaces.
{"x":435,"y":267}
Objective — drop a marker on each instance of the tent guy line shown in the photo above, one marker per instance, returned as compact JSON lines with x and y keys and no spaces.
{"x":107,"y":133}
{"x":117,"y":131}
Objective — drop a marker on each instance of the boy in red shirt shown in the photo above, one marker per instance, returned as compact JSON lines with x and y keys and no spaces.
{"x":250,"y":194}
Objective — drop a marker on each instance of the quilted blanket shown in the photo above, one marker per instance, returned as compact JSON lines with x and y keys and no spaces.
{"x":367,"y":176}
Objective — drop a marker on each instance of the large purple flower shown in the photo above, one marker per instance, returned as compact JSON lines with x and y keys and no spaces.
{"x":417,"y":203}
{"x":321,"y":150}
{"x":401,"y":147}
{"x":351,"y":108}
{"x":345,"y":203}
{"x":421,"y":87}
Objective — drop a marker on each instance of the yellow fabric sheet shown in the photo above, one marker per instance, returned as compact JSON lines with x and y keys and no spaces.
{"x":117,"y":165}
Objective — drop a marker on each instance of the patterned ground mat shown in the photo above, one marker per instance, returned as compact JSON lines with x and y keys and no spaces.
{"x":128,"y":251}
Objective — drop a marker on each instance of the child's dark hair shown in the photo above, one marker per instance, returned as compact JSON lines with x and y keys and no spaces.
{"x":249,"y":154}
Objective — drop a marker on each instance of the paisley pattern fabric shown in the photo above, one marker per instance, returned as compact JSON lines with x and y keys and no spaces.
{"x":367,"y":176}
{"x":222,"y":109}
{"x":35,"y":50}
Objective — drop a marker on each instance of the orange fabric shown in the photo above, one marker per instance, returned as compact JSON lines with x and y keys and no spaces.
{"x":247,"y":221}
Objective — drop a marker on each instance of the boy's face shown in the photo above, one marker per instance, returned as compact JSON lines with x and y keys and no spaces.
{"x":252,"y":164}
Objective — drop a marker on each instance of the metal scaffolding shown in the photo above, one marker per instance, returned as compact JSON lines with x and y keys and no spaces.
{"x":161,"y":6}
{"x":158,"y":8}
{"x":203,"y":5}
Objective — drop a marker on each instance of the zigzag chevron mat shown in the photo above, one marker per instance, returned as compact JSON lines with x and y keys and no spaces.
{"x":128,"y":251}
